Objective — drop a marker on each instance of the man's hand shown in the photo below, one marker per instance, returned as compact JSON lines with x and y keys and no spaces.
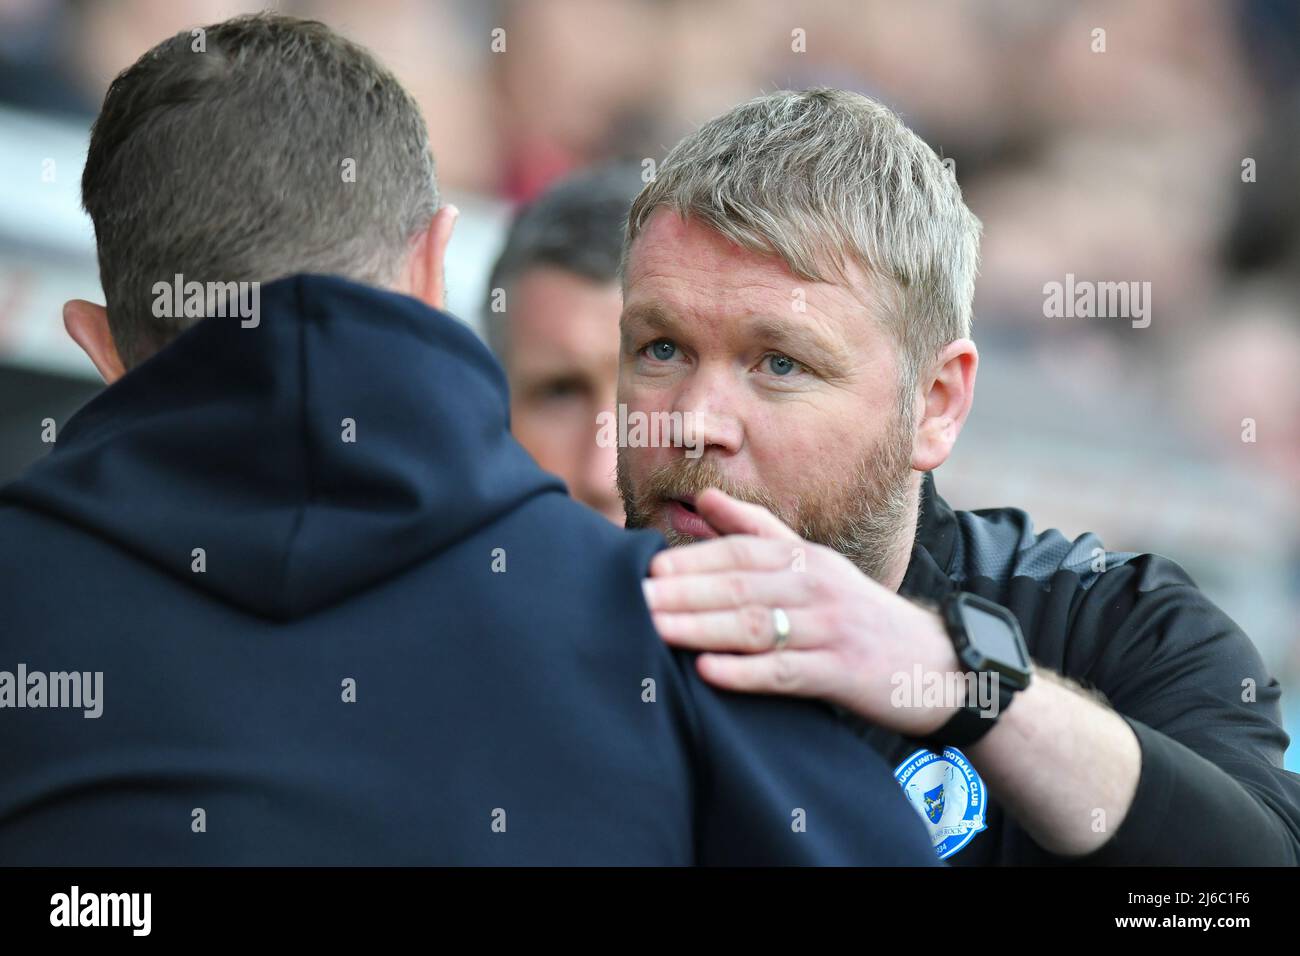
{"x":1056,"y":758}
{"x":851,"y":639}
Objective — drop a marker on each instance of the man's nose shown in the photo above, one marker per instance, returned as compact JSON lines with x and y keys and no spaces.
{"x":709,"y":420}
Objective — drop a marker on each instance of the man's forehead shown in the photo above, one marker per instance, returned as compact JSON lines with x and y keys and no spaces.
{"x":670,"y":244}
{"x":684,"y":270}
{"x":559,"y":312}
{"x":556,"y":300}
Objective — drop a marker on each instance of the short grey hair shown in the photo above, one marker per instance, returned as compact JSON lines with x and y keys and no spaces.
{"x":826,"y":177}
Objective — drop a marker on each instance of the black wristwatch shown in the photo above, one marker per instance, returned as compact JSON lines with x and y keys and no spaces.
{"x":988,"y":642}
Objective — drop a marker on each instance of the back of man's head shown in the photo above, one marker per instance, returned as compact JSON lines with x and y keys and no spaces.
{"x":252,"y":149}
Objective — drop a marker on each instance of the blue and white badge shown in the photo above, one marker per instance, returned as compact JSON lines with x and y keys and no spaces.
{"x":947,"y":793}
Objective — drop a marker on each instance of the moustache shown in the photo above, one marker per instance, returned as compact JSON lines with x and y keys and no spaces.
{"x":687,"y":478}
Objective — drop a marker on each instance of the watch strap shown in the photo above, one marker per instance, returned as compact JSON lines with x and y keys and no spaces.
{"x":967,"y":726}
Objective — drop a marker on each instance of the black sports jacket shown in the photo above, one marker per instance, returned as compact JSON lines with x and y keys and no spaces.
{"x":1174,"y":666}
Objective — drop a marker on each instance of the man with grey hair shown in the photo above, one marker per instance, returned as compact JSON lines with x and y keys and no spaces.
{"x":799,"y":278}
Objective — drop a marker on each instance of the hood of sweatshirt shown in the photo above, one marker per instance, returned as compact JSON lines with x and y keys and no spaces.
{"x":283,"y":466}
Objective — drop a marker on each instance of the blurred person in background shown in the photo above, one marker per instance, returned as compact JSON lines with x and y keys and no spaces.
{"x":551,"y":318}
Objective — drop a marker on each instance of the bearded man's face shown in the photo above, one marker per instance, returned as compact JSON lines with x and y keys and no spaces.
{"x":785,"y":391}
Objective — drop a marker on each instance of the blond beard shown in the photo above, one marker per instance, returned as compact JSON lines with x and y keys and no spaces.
{"x":864,"y":516}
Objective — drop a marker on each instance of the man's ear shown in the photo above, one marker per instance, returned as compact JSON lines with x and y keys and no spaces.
{"x":425,"y":276}
{"x":87,"y":323}
{"x":947,"y":399}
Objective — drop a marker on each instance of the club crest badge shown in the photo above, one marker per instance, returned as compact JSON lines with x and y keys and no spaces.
{"x":948,"y":794}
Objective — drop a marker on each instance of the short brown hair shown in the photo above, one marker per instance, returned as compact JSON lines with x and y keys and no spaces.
{"x":221,"y":155}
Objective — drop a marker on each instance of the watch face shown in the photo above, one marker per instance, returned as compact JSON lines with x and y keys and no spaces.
{"x":993,"y":640}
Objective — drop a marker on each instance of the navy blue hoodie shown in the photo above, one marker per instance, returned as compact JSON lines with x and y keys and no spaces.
{"x":342,"y":618}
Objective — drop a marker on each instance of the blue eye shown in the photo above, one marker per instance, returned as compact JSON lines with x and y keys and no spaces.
{"x":663,"y":350}
{"x":781,"y":364}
